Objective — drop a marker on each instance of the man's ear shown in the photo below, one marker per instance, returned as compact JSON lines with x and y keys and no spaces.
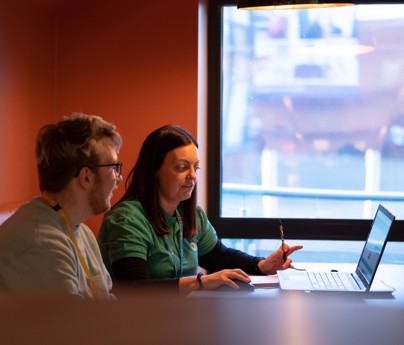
{"x":86,"y":177}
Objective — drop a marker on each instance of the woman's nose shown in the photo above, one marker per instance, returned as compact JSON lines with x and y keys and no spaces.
{"x":192,"y":174}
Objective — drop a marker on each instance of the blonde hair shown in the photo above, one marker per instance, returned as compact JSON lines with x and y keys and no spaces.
{"x":64,"y":148}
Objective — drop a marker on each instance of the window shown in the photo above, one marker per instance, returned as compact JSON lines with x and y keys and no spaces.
{"x":306,"y":120}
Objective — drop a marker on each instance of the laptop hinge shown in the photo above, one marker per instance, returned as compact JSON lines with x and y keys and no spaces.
{"x":358,"y":281}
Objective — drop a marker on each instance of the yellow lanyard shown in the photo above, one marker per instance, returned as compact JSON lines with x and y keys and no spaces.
{"x":62,"y":213}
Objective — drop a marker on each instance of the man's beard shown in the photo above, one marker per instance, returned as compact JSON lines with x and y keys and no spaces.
{"x":99,"y":202}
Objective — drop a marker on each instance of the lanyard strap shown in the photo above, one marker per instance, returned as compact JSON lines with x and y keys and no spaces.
{"x":178,"y":273}
{"x":62,"y":214}
{"x":181,"y":225}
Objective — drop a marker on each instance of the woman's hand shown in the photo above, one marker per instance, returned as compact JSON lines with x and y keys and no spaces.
{"x":214,"y":280}
{"x":274,"y":261}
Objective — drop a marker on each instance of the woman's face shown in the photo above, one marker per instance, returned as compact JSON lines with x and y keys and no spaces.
{"x":177,"y":176}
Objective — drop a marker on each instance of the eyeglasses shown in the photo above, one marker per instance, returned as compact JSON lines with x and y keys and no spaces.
{"x":116,"y":166}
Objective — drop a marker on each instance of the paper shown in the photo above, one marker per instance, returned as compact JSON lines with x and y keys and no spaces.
{"x":269,"y":281}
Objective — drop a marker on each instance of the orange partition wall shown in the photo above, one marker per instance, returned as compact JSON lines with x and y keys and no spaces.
{"x":27,"y":65}
{"x":133,"y":63}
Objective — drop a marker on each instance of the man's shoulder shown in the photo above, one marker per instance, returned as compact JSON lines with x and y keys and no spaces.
{"x":22,"y":219}
{"x":31,"y":229}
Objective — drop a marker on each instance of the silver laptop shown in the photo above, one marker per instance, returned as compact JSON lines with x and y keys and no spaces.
{"x":359,"y":281}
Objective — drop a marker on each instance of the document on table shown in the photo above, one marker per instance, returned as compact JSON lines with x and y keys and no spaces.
{"x":269,"y":281}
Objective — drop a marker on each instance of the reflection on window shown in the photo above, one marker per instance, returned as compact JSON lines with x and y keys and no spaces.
{"x":318,"y":251}
{"x":313,"y":112}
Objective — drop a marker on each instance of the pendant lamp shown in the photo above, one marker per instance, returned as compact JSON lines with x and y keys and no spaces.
{"x":290,"y":4}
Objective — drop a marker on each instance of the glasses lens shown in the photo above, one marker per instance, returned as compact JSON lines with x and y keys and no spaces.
{"x":118,"y":169}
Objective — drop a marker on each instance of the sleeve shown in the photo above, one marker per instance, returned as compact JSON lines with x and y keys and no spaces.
{"x":126,"y":236}
{"x":51,"y":265}
{"x":215,"y":256}
{"x":222,"y":257}
{"x":134,"y":272}
{"x":207,"y":237}
{"x":96,"y":265}
{"x":124,"y":233}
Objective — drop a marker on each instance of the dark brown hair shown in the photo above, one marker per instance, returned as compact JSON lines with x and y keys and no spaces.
{"x":142,"y":181}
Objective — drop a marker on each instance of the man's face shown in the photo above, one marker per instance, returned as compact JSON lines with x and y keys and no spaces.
{"x":106,"y":178}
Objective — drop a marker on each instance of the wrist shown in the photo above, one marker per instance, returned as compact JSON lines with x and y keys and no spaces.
{"x":258,"y":268}
{"x":199,"y":280}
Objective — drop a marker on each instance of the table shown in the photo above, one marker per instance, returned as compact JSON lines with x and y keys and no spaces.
{"x":392,"y":275}
{"x":266,"y":316}
{"x":298,"y":317}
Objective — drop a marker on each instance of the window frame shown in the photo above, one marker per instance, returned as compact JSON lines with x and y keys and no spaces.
{"x":262,"y":228}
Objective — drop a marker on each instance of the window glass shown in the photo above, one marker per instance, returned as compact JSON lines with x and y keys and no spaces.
{"x":318,"y":251}
{"x":312,"y":112}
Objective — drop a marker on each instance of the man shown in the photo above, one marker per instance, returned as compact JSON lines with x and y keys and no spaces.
{"x":44,"y":246}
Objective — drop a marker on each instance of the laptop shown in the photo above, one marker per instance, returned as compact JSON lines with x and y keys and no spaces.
{"x":359,"y":281}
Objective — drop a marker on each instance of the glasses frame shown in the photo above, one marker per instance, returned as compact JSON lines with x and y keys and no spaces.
{"x":117,"y":167}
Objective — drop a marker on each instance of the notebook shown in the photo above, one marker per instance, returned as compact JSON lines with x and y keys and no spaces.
{"x":359,"y":281}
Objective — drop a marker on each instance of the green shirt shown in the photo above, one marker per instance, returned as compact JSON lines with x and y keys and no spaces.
{"x":126,"y":232}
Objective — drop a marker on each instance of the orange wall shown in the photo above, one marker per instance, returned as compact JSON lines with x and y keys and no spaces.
{"x":133,"y":63}
{"x":26,"y":95}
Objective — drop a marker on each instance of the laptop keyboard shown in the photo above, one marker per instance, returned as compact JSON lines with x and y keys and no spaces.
{"x":327,"y":280}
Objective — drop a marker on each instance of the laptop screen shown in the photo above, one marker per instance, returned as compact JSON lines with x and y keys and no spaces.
{"x":375,"y":244}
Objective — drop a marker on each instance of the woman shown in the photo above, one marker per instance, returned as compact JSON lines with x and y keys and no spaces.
{"x":157,"y":234}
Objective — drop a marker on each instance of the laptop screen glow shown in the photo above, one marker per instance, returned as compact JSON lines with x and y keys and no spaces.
{"x":375,"y":245}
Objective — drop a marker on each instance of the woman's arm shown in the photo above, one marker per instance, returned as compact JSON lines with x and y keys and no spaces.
{"x":134,"y":272}
{"x":222,"y":257}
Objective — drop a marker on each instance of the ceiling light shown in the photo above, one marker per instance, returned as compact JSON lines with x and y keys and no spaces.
{"x":289,"y":4}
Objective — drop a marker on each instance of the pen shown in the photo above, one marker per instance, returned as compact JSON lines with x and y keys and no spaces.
{"x":282,"y":240}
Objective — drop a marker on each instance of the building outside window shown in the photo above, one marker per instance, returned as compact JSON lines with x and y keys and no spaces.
{"x":307,"y":108}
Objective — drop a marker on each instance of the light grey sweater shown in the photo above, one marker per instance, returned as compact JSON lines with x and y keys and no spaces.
{"x":37,"y":255}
